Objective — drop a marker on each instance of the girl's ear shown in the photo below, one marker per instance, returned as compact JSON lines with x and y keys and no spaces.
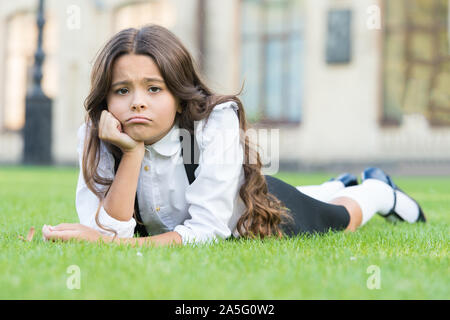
{"x":179,"y":109}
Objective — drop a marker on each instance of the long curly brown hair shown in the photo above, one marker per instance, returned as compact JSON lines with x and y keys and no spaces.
{"x":264,"y":213}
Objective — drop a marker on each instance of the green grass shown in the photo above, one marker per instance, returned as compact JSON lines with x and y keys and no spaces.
{"x":413,"y":259}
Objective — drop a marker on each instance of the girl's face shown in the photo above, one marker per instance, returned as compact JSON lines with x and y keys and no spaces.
{"x":138,"y":89}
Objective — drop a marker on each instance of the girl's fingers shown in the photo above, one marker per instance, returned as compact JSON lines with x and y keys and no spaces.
{"x":65,"y":226}
{"x":111,"y":130}
{"x":109,"y":127}
{"x":64,"y":235}
{"x":46,"y":232}
{"x":114,"y":122}
{"x":101,"y":125}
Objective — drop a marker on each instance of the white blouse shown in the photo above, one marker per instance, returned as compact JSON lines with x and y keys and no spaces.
{"x":206,"y":210}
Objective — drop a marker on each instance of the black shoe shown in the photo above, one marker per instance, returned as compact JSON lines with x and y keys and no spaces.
{"x":392,"y":216}
{"x":347,"y":179}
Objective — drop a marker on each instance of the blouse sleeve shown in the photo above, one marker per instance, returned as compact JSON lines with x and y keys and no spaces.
{"x":212,"y":195}
{"x":87,"y":202}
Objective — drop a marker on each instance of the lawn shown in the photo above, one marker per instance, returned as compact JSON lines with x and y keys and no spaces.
{"x":410,"y":261}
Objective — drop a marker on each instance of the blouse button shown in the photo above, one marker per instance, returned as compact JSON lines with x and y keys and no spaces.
{"x":146,"y":168}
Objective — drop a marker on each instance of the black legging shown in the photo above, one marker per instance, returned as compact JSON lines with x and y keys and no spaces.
{"x":309,"y":215}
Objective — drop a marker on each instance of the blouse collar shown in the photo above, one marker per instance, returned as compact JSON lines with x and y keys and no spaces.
{"x":169,"y":144}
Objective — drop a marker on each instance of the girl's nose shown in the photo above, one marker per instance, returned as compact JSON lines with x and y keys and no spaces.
{"x":138,"y":107}
{"x":138,"y":101}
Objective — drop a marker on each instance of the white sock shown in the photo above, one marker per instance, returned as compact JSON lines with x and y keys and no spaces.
{"x":372,"y":196}
{"x":406,"y":207}
{"x":323,"y":192}
{"x":376,"y":196}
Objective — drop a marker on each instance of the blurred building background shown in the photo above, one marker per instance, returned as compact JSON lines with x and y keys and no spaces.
{"x":346,"y":82}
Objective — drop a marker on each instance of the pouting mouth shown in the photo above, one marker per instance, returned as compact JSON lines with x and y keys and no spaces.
{"x":139,"y":118}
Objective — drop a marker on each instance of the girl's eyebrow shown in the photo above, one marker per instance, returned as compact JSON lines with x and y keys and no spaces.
{"x":144,"y":80}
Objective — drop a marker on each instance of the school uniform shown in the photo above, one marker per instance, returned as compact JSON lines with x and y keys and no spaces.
{"x":207,"y":206}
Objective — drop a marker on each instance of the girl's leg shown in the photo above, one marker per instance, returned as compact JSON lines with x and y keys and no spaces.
{"x":373,"y":196}
{"x":354,"y":210}
{"x":322,"y":192}
{"x":325,"y":191}
{"x":309,"y":215}
{"x":349,"y":209}
{"x":329,"y":192}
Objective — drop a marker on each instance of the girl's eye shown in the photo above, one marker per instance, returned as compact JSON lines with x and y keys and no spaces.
{"x":154,"y":89}
{"x":122,"y":91}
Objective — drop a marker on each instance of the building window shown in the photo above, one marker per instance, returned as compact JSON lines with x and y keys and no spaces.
{"x":416,"y":75}
{"x":138,"y":14}
{"x":272,"y":59}
{"x":21,"y":42}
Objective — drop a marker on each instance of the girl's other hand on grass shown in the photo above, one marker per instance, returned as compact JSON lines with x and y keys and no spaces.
{"x":67,"y":231}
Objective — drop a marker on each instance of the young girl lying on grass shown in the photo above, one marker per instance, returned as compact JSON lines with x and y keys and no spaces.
{"x":136,"y":178}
